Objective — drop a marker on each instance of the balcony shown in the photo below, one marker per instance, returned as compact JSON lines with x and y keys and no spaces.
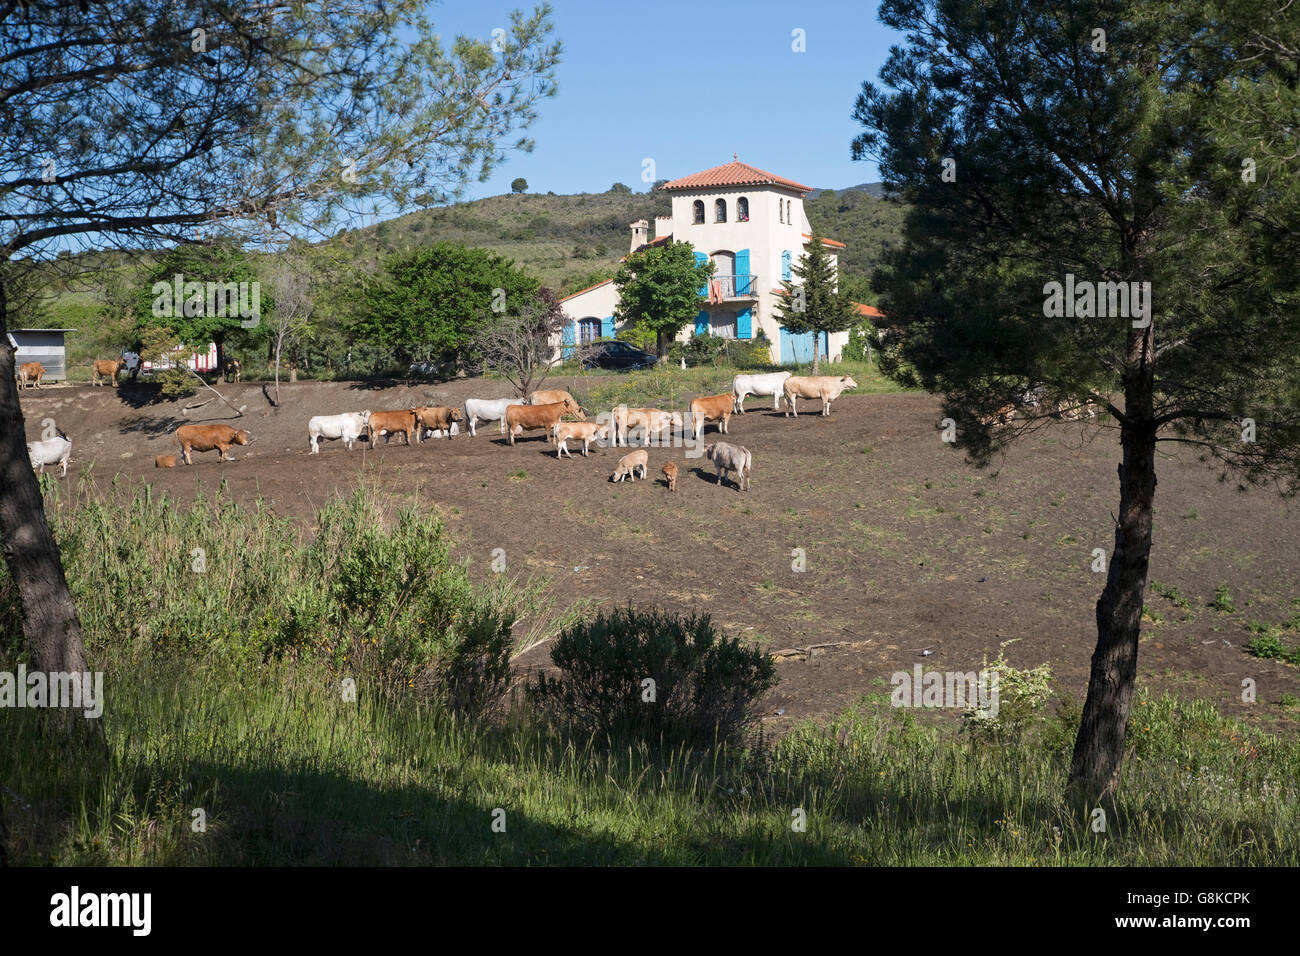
{"x":731,"y":288}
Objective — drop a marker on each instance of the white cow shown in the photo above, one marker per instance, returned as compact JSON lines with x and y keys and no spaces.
{"x":769,"y":383}
{"x":51,"y":451}
{"x":488,"y":410}
{"x":727,"y":458}
{"x":349,"y":426}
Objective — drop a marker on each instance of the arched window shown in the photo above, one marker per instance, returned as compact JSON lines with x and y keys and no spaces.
{"x":780,"y":211}
{"x":720,"y":211}
{"x":699,"y":212}
{"x":789,"y":213}
{"x":742,"y":209}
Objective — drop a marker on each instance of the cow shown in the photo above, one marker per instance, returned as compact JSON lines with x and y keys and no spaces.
{"x":769,"y":383}
{"x":670,"y":472}
{"x":727,"y":458}
{"x":208,"y":438}
{"x":629,"y":463}
{"x":487,"y":410}
{"x":232,"y":368}
{"x":713,"y":408}
{"x":441,"y":419}
{"x":650,"y":420}
{"x":165,"y":461}
{"x":825,"y":387}
{"x":519,"y":417}
{"x":349,"y":426}
{"x":50,"y":451}
{"x":30,"y":372}
{"x":1003,"y":416}
{"x":400,"y":422}
{"x":107,"y":368}
{"x":586,"y":432}
{"x":550,"y":396}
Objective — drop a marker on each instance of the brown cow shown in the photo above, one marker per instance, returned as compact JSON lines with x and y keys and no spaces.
{"x":207,"y":438}
{"x":519,"y":417}
{"x":650,"y":420}
{"x":401,"y":422}
{"x":549,"y":396}
{"x":586,"y":432}
{"x":436,"y":418}
{"x":30,"y":372}
{"x":165,"y":461}
{"x":107,"y":368}
{"x":233,"y":368}
{"x":670,"y":472}
{"x":713,"y":408}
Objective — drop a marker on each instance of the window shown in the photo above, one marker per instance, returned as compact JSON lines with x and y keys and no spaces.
{"x":789,"y":213}
{"x":722,"y":325}
{"x":742,"y":209}
{"x":780,"y":211}
{"x":588,"y":330}
{"x":720,"y":211}
{"x":699,"y":212}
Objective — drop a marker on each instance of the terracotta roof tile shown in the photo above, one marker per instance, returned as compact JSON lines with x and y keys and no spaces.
{"x":734,"y":174}
{"x":827,"y":242}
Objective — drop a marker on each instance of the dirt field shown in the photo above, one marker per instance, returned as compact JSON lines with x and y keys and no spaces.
{"x":908,"y":549}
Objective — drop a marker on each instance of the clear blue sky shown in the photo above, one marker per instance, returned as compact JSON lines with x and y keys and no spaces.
{"x":689,"y":83}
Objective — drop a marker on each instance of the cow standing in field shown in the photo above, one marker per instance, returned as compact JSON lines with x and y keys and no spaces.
{"x":31,"y":372}
{"x":628,"y":465}
{"x":519,"y":417}
{"x":233,"y":368}
{"x":349,"y":426}
{"x":670,"y":472}
{"x":400,"y":422}
{"x":218,"y":438}
{"x":487,"y":410}
{"x":586,"y":432}
{"x":50,"y":451}
{"x":440,"y":419}
{"x":650,"y":420}
{"x":107,"y":369}
{"x":549,"y":396}
{"x":714,"y":408}
{"x":727,"y":458}
{"x":770,"y":383}
{"x":825,"y":387}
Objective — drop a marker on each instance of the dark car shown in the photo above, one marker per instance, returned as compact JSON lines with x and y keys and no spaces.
{"x":618,"y":356}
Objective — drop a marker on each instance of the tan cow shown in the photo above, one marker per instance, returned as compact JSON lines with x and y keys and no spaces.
{"x":400,"y":422}
{"x":628,"y":464}
{"x":107,"y":368}
{"x":208,"y":438}
{"x":30,"y":372}
{"x":825,"y":387}
{"x":670,"y":472}
{"x":713,"y":408}
{"x":549,"y":396}
{"x":519,"y":417}
{"x":165,"y":461}
{"x":650,"y":420}
{"x":436,"y":418}
{"x":586,"y":432}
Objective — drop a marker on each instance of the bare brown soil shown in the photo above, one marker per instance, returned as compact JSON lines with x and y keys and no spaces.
{"x":908,"y":549}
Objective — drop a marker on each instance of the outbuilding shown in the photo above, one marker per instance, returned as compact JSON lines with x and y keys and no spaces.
{"x":45,"y":346}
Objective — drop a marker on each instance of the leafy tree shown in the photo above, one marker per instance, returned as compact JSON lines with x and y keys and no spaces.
{"x":1152,"y":154}
{"x":813,"y":304}
{"x":519,"y":185}
{"x":620,"y":189}
{"x":521,"y":347}
{"x":659,"y":289}
{"x":433,"y":302}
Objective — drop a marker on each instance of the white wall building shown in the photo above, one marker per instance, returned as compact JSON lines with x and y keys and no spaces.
{"x":752,"y":225}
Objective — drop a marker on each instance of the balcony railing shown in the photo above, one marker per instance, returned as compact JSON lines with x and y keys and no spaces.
{"x":732,"y":287}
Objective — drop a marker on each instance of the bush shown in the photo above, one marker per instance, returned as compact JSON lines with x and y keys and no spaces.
{"x":1021,"y":696}
{"x":858,"y":347}
{"x":642,"y":338}
{"x":175,"y":383}
{"x":708,"y":350}
{"x":704,"y":688}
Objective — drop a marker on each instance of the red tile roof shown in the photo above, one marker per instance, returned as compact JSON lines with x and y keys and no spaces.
{"x":734,"y":174}
{"x":588,"y":289}
{"x":662,"y":240}
{"x":827,"y":242}
{"x":868,"y":310}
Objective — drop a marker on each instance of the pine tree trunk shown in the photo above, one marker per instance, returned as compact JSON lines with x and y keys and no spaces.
{"x":1099,"y":747}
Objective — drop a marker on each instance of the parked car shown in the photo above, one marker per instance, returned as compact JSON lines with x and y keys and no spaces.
{"x":618,"y":356}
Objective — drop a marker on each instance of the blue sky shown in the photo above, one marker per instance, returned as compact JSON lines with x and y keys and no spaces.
{"x":687,"y":84}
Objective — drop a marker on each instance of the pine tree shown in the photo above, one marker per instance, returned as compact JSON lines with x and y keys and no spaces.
{"x":813,"y":304}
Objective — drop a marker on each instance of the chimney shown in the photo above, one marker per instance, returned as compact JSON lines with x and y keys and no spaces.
{"x":640,"y":234}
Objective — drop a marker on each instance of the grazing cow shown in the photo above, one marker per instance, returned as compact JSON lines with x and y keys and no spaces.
{"x":519,"y":417}
{"x":107,"y":368}
{"x":349,"y":426}
{"x":629,"y":463}
{"x":1003,"y":416}
{"x":439,"y":418}
{"x":727,"y":458}
{"x":165,"y":461}
{"x":232,"y":369}
{"x":586,"y":432}
{"x":549,"y":396}
{"x":208,"y":438}
{"x":650,"y":420}
{"x":400,"y":422}
{"x":487,"y":410}
{"x":825,"y":387}
{"x":51,"y":451}
{"x":1072,"y":410}
{"x":670,"y":472}
{"x":769,"y":383}
{"x":713,"y":408}
{"x":30,"y":372}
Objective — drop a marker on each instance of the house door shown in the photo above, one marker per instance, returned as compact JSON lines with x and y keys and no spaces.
{"x":796,"y":348}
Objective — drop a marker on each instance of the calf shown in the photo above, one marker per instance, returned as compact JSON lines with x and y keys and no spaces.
{"x":549,"y":396}
{"x":488,"y":410}
{"x":399,"y":422}
{"x":825,"y":387}
{"x":670,"y":472}
{"x":349,"y":426}
{"x":438,"y":418}
{"x":165,"y":461}
{"x":628,"y":464}
{"x":713,"y":408}
{"x":727,"y":458}
{"x":769,"y":383}
{"x":519,"y":417}
{"x":50,"y":451}
{"x":30,"y":372}
{"x":208,"y":438}
{"x":107,"y":368}
{"x":586,"y":432}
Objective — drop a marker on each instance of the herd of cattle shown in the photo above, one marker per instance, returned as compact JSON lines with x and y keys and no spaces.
{"x":546,"y":410}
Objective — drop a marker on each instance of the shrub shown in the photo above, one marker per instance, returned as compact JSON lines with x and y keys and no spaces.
{"x":642,"y":338}
{"x":704,"y":688}
{"x":175,"y":383}
{"x":858,"y":347}
{"x":1021,"y":696}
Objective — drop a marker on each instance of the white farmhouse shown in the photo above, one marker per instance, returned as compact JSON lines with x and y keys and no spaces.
{"x":752,"y":225}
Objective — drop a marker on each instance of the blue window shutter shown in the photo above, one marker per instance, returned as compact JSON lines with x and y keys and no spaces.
{"x":607,"y":327}
{"x":744,"y":324}
{"x":701,"y":259}
{"x":568,"y":334}
{"x":785,"y":265}
{"x":742,"y":272}
{"x":702,"y":323}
